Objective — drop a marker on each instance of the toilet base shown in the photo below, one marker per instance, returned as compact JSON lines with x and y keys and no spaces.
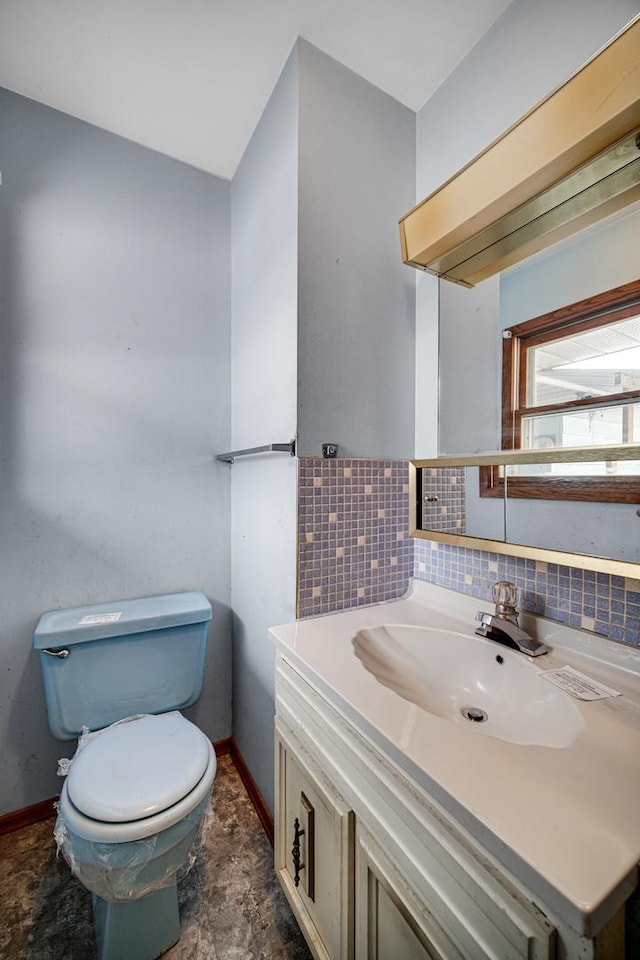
{"x":137,"y":929}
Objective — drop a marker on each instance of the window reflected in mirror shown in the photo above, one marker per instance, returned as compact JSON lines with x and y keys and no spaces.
{"x":571,"y":378}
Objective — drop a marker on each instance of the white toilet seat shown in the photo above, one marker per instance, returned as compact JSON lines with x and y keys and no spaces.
{"x":137,"y":768}
{"x":137,"y":778}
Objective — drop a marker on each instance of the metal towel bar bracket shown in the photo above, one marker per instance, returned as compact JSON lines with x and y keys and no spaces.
{"x":289,"y":448}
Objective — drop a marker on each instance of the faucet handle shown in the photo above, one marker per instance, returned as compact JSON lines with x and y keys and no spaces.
{"x":505,"y":597}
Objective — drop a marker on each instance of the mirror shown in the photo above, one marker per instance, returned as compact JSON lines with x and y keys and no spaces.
{"x":471,"y":323}
{"x":452,"y":505}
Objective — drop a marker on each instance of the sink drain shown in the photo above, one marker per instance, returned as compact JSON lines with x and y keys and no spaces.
{"x":475,"y":714}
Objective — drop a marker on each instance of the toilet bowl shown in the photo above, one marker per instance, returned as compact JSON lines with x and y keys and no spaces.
{"x":130,"y":810}
{"x":132,"y":803}
{"x":139,"y":785}
{"x":137,"y":777}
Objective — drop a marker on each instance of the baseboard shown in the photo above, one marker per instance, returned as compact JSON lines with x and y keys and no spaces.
{"x":27,"y":816}
{"x":222,"y":747}
{"x":264,"y":814}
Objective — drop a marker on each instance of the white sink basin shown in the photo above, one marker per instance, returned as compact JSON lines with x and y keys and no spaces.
{"x":488,"y":689}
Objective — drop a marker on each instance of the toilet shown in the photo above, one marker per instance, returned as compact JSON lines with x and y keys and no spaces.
{"x":116,"y":675}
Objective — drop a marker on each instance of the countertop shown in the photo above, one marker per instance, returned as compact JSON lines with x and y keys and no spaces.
{"x":565,"y":821}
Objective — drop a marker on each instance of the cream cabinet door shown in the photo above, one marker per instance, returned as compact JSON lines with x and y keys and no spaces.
{"x":391,"y":922}
{"x":314,"y":849}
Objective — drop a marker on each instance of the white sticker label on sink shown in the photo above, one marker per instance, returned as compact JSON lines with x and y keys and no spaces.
{"x":579,"y":686}
{"x":100,"y":618}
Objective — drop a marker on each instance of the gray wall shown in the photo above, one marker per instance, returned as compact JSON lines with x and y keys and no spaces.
{"x":114,"y":395}
{"x":470,"y":357}
{"x":322,"y":334}
{"x":120,"y":380}
{"x":264,"y":283}
{"x":356,"y":297}
{"x":530,"y":50}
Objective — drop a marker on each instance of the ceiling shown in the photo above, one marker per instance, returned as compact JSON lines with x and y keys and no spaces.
{"x":190,"y":78}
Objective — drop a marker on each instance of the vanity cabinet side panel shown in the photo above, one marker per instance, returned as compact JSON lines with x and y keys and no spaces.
{"x":314,"y":829}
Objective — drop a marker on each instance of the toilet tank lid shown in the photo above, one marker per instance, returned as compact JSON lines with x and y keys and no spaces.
{"x":120,"y":617}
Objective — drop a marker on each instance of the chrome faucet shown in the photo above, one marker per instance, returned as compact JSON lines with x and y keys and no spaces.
{"x":502,"y":626}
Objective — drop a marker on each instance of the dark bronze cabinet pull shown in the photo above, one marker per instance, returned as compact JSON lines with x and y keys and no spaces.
{"x":310,"y":842}
{"x":295,"y":851}
{"x":309,"y":833}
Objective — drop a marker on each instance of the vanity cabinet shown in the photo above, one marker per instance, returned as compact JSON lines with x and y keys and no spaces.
{"x":394,"y":877}
{"x":314,"y":848}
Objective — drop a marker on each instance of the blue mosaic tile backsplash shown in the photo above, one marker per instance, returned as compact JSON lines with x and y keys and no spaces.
{"x":354,"y":548}
{"x":353,"y":533}
{"x":581,"y":598}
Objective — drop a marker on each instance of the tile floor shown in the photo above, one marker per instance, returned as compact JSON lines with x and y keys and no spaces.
{"x":231,"y":906}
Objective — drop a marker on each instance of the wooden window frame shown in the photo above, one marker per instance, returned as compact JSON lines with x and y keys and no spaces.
{"x":605,"y":308}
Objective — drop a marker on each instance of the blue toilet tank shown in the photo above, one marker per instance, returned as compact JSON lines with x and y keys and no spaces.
{"x":113,"y":660}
